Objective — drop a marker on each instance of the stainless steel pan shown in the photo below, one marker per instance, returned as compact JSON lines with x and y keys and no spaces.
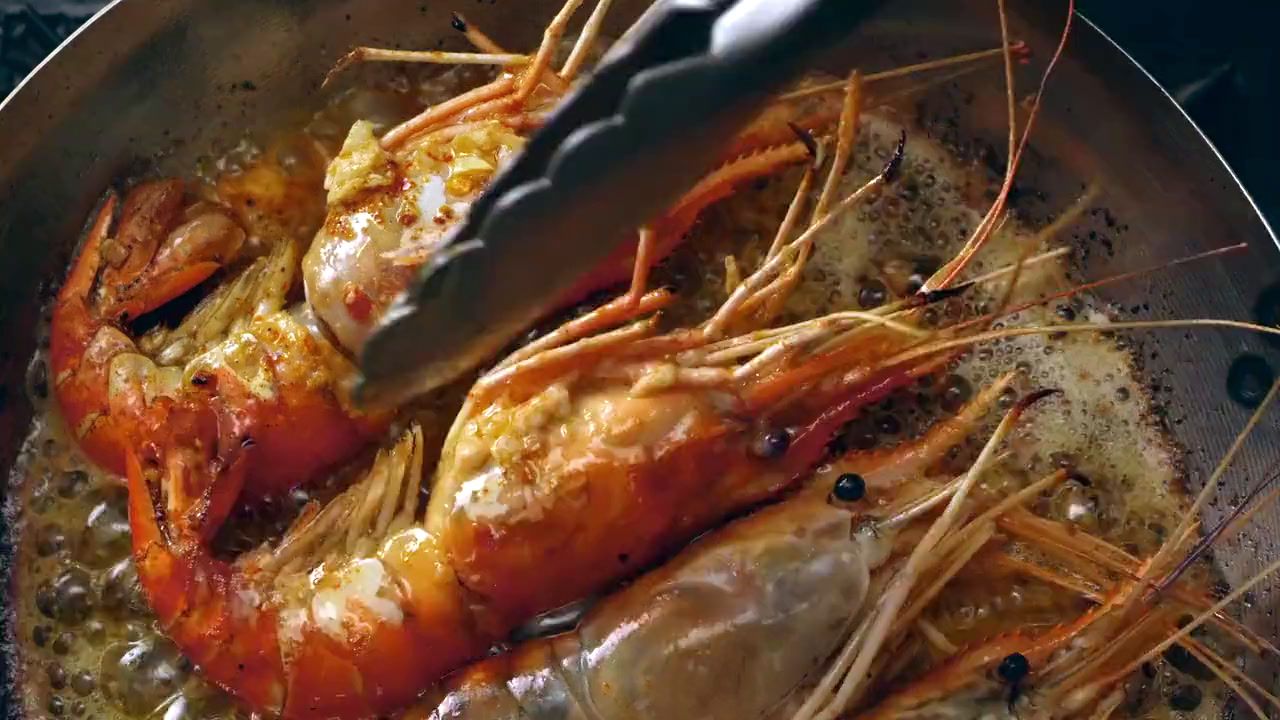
{"x":154,"y":85}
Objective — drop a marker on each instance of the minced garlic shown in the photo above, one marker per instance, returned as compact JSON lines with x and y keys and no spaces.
{"x":361,"y":164}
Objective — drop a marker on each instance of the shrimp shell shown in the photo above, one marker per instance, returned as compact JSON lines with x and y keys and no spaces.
{"x":728,"y":630}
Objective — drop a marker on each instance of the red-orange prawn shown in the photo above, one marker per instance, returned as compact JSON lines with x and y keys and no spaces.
{"x":251,"y":379}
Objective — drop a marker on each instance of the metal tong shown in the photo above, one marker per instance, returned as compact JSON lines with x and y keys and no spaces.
{"x":617,"y":152}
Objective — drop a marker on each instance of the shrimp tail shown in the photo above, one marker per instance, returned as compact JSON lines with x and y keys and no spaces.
{"x":265,"y":629}
{"x":210,"y":608}
{"x":80,"y":384}
{"x":152,"y":258}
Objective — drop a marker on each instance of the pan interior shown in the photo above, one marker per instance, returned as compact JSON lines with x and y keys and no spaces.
{"x":1165,"y":194}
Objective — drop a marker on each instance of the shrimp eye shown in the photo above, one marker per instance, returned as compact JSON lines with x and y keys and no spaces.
{"x":771,"y":445}
{"x":1014,"y":668}
{"x":850,"y":487}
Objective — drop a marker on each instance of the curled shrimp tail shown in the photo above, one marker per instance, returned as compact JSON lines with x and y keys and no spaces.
{"x":202,"y":461}
{"x":158,"y":252}
{"x":351,"y":615}
{"x":210,"y":608}
{"x":77,"y":336}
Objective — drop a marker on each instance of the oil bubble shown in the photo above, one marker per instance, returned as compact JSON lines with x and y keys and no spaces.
{"x":1074,"y":503}
{"x":1008,"y":397}
{"x":71,"y":483}
{"x":140,"y":676}
{"x":82,"y":683}
{"x":888,"y":424}
{"x":872,"y":294}
{"x":135,"y":630}
{"x":50,"y":540}
{"x":94,"y":631}
{"x":1183,"y":661}
{"x":1249,"y":379}
{"x":38,"y":379}
{"x":63,"y":643}
{"x":41,"y":500}
{"x":121,"y":589}
{"x":956,"y":391}
{"x":72,"y":596}
{"x":106,"y":532}
{"x":1140,"y":695}
{"x":859,"y":436}
{"x":1186,"y":698}
{"x":57,"y":676}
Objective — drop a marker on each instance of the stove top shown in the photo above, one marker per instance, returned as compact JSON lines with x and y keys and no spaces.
{"x":1217,"y":58}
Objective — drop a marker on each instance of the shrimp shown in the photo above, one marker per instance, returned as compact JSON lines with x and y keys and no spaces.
{"x":242,"y":375}
{"x":777,"y":591}
{"x":392,"y":200}
{"x":774,"y":590}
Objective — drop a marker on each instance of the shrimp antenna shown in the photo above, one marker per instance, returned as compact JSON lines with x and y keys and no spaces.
{"x":1190,"y":627}
{"x":1075,"y":290}
{"x":474,"y":35}
{"x":1231,"y":676}
{"x":371,"y":54}
{"x":1020,"y":51}
{"x":1208,"y":540}
{"x":586,"y":41}
{"x":949,"y":272}
{"x":1188,"y":523}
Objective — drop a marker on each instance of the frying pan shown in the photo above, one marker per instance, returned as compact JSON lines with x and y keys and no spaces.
{"x":152,"y":86}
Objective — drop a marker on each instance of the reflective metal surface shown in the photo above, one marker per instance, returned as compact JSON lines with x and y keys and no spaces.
{"x":154,"y":85}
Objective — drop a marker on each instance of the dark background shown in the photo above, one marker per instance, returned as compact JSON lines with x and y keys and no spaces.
{"x":1218,"y":57}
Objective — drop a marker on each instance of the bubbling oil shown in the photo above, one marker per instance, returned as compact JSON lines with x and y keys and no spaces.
{"x":90,"y":647}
